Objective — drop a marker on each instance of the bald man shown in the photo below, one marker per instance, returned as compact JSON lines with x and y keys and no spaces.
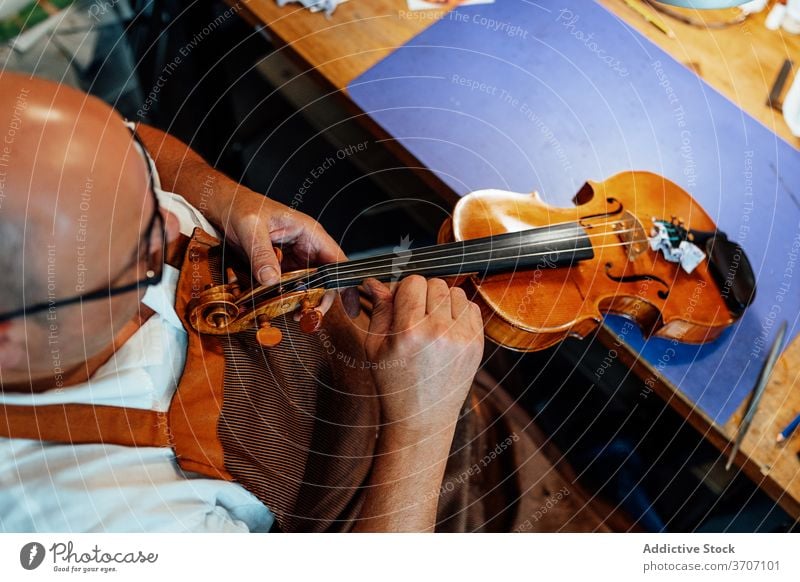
{"x":83,"y":219}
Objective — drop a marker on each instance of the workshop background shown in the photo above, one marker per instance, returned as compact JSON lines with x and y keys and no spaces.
{"x":201,"y":72}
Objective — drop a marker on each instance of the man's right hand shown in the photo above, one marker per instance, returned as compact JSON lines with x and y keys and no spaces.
{"x":425,"y":344}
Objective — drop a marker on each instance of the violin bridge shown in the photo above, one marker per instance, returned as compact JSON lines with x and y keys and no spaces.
{"x":632,"y":234}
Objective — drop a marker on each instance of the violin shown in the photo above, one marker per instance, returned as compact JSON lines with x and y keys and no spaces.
{"x":635,"y":245}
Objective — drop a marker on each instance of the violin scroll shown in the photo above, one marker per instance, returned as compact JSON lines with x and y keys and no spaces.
{"x":226,"y":309}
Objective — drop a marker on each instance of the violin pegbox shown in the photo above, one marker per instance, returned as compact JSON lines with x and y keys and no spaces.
{"x":310,"y":318}
{"x":226,"y":309}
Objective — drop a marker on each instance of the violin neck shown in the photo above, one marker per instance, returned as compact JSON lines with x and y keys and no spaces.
{"x":545,"y":247}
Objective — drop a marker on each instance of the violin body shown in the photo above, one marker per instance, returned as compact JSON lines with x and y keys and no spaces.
{"x":532,"y":309}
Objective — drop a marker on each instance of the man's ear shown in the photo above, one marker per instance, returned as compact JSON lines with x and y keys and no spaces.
{"x":12,"y":351}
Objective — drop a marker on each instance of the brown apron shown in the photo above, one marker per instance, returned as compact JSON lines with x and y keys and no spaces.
{"x":296,"y":425}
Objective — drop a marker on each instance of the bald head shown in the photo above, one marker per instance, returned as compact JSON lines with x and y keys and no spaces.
{"x":74,"y":196}
{"x":70,"y":178}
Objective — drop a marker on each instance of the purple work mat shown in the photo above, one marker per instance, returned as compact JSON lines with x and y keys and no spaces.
{"x":529,"y":96}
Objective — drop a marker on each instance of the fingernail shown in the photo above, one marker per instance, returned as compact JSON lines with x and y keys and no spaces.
{"x":267,"y":276}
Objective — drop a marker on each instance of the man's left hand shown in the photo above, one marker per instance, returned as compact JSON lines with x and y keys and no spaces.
{"x":249,"y":220}
{"x":255,"y":224}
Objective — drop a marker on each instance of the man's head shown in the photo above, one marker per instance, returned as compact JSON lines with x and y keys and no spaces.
{"x":75,"y":204}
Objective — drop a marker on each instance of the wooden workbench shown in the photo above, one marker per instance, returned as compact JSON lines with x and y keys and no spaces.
{"x":339,"y":49}
{"x":741,"y":62}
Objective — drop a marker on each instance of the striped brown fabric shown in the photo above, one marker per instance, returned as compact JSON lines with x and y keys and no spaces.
{"x":500,"y":477}
{"x":291,"y":436}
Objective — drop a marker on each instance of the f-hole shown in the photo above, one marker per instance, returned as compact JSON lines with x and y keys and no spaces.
{"x":614,"y":212}
{"x":662,"y":293}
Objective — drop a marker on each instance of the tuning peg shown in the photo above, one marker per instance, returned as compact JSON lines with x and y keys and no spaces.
{"x":233,"y":282}
{"x":267,"y":336}
{"x":310,"y":317}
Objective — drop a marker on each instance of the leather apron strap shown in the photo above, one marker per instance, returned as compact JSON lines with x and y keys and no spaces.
{"x":82,"y":423}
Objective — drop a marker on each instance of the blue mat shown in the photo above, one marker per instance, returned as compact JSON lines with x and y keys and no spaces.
{"x":529,"y":96}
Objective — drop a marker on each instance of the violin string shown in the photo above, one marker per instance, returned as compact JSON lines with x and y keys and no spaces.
{"x":358,"y":263}
{"x":320,"y":277}
{"x":421,"y":255}
{"x":315,"y":281}
{"x":425,"y":254}
{"x":334,"y":282}
{"x":354,"y":267}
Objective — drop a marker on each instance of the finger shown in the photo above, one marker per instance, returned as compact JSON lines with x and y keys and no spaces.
{"x":320,"y":247}
{"x":255,"y":241}
{"x":382,"y":307}
{"x":328,"y":251}
{"x":475,"y":316}
{"x":459,"y":304}
{"x":351,"y":301}
{"x":410,"y":300}
{"x":265,"y":265}
{"x":438,"y":298}
{"x":327,"y":301}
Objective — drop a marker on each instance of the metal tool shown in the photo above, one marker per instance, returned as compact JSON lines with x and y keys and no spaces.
{"x":761,"y":385}
{"x":774,"y":99}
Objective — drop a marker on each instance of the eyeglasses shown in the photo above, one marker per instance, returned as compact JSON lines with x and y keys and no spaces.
{"x":154,"y":260}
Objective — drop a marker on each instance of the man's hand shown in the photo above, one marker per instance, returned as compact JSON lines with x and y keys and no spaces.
{"x":249,"y":220}
{"x":437,"y":335}
{"x":255,"y":224}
